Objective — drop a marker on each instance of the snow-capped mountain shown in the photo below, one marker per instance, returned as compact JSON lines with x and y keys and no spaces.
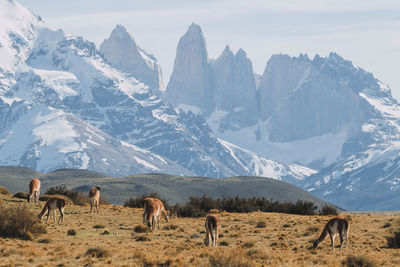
{"x":78,"y":108}
{"x":121,"y":51}
{"x":322,"y":112}
{"x":368,"y":179}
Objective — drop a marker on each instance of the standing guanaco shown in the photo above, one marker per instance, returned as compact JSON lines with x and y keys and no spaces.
{"x":34,"y":190}
{"x":333,"y":227}
{"x":94,"y":198}
{"x":212,"y":230}
{"x":52,"y":204}
{"x":152,"y":210}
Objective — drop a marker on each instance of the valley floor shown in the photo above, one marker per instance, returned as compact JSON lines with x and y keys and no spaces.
{"x":285,"y":241}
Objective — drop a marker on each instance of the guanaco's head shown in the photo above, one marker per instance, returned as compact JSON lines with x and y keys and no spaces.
{"x":98,"y":188}
{"x":167,"y":214}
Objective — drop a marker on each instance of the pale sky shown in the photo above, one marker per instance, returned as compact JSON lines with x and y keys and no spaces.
{"x":367,"y":32}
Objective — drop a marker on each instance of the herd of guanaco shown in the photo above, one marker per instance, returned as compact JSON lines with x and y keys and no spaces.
{"x":153,"y":208}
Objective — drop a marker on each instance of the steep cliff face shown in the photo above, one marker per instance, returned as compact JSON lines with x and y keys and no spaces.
{"x":191,"y":82}
{"x":121,"y":51}
{"x":304,"y":98}
{"x":235,"y":90}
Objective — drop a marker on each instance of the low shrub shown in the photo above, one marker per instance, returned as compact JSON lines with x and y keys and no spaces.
{"x":4,"y":191}
{"x":19,"y":222}
{"x":313,"y":229}
{"x":77,"y":197}
{"x":358,"y":261}
{"x":233,"y":258}
{"x":141,"y":229}
{"x":99,"y":226}
{"x":223,"y":243}
{"x":22,"y":195}
{"x":142,"y":238}
{"x":44,"y":241}
{"x":387,"y":225}
{"x":106,"y":232}
{"x":393,"y":240}
{"x":170,"y":227}
{"x":328,"y":210}
{"x":200,"y":206}
{"x":248,"y":244}
{"x":261,"y":224}
{"x":97,"y":253}
{"x":137,"y":202}
{"x":71,"y":232}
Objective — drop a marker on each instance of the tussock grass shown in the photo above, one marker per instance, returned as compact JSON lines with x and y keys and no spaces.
{"x":71,"y":232}
{"x":232,"y":258}
{"x":261,"y":224}
{"x":393,"y":241}
{"x":21,"y":195}
{"x":4,"y":191}
{"x":19,"y":222}
{"x":358,"y":261}
{"x":141,"y":229}
{"x":98,"y":253}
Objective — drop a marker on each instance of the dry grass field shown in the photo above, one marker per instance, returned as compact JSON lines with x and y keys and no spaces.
{"x":109,"y":238}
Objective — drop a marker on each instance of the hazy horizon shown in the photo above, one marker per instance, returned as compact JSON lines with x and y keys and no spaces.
{"x":365,"y":32}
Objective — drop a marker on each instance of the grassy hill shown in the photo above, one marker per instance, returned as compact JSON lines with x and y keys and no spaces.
{"x":109,"y":239}
{"x":175,"y":189}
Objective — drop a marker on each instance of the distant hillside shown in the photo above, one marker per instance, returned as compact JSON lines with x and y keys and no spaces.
{"x":175,"y":189}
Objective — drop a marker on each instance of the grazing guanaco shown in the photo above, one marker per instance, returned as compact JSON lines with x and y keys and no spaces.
{"x":333,"y":227}
{"x":52,"y":204}
{"x":152,"y":210}
{"x":213,"y":226}
{"x":34,"y":190}
{"x":94,"y":198}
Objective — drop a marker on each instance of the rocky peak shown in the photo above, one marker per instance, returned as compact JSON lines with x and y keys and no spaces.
{"x":190,"y":82}
{"x":235,"y":90}
{"x":121,"y":51}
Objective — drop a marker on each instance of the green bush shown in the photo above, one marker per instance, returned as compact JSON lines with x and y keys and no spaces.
{"x":77,"y":197}
{"x":137,"y":202}
{"x":200,"y":206}
{"x":328,"y":210}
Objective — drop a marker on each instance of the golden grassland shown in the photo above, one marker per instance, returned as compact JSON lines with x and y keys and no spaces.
{"x":284,"y":241}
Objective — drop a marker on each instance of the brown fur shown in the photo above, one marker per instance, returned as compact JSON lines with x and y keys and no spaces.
{"x":152,"y":210}
{"x":34,"y":190}
{"x":53,"y":203}
{"x":333,"y":227}
{"x":213,"y":226}
{"x":94,"y":199}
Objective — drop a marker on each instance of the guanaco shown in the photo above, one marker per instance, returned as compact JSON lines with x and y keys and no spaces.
{"x":333,"y":227}
{"x":94,"y":198}
{"x":213,"y":226}
{"x":52,"y":204}
{"x":34,"y":190}
{"x":152,"y":210}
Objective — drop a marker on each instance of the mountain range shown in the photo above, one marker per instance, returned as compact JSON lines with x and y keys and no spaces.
{"x":322,"y":124}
